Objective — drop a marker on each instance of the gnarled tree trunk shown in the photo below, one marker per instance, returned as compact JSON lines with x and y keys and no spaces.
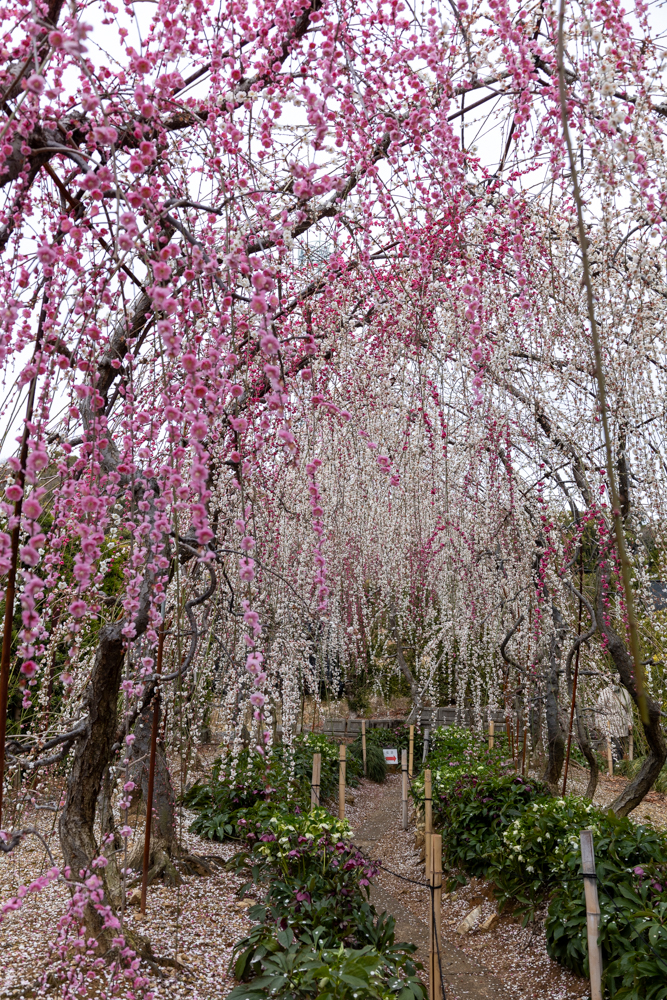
{"x":163,"y":842}
{"x":92,"y":756}
{"x":555,"y":731}
{"x":641,"y":784}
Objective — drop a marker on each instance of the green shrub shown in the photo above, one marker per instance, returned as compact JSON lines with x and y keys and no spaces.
{"x":376,"y":766}
{"x":458,"y":759}
{"x":631,"y":867}
{"x":380,"y":736}
{"x":317,"y":935}
{"x":475,"y":814}
{"x":536,"y":846}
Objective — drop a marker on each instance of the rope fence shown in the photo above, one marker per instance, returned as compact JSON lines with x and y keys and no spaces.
{"x":433,"y":868}
{"x":433,"y":854}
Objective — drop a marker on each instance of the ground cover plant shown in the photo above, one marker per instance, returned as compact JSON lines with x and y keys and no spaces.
{"x":316,"y":933}
{"x":458,"y":756}
{"x":237,"y":789}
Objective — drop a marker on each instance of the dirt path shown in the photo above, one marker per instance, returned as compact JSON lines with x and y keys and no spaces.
{"x":510,"y":962}
{"x":376,"y":834}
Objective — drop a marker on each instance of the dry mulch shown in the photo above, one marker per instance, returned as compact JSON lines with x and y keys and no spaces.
{"x":653,"y":809}
{"x":197,"y":924}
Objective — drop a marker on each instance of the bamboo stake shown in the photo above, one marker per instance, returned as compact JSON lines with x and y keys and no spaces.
{"x":631,"y":745}
{"x":315,"y":781}
{"x":610,"y":759}
{"x":363,"y":744}
{"x":592,"y":912}
{"x":341,"y":783}
{"x":428,"y":821}
{"x":411,"y":760}
{"x":151,"y":774}
{"x":404,"y":789}
{"x":435,"y":926}
{"x":491,"y":727}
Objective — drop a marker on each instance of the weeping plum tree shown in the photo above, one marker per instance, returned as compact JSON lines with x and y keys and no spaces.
{"x":297,"y":306}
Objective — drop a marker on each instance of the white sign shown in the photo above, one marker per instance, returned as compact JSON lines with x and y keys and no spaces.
{"x":391,"y":756}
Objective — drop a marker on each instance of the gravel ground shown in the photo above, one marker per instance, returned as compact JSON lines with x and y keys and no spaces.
{"x":652,"y":809}
{"x":197,"y":924}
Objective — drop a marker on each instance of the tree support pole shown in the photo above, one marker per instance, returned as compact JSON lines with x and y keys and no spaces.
{"x":363,"y":744}
{"x":10,"y":591}
{"x":404,"y":790}
{"x":341,"y":783}
{"x":626,"y":571}
{"x":435,"y":929}
{"x":315,"y":781}
{"x":576,"y":675}
{"x":151,"y":774}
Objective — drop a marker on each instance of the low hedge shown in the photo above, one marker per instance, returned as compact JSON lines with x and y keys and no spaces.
{"x":282,"y":776}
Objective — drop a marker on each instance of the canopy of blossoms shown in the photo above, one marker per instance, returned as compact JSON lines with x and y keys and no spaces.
{"x":296,"y":326}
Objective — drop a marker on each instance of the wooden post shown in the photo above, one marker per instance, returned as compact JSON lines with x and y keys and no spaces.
{"x":592,"y":912}
{"x":631,"y":745}
{"x":411,"y":759}
{"x":315,"y":782}
{"x":523,"y":752}
{"x":490,"y":734}
{"x":404,"y":789}
{"x":435,"y":923}
{"x":427,"y":734}
{"x":428,"y":821}
{"x":341,"y":783}
{"x":363,"y":744}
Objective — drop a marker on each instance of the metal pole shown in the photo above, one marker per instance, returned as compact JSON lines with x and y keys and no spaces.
{"x":363,"y":744}
{"x":151,"y":774}
{"x":435,"y":929}
{"x":576,"y":674}
{"x":523,"y":752}
{"x":592,"y":912}
{"x":404,"y":790}
{"x":341,"y":783}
